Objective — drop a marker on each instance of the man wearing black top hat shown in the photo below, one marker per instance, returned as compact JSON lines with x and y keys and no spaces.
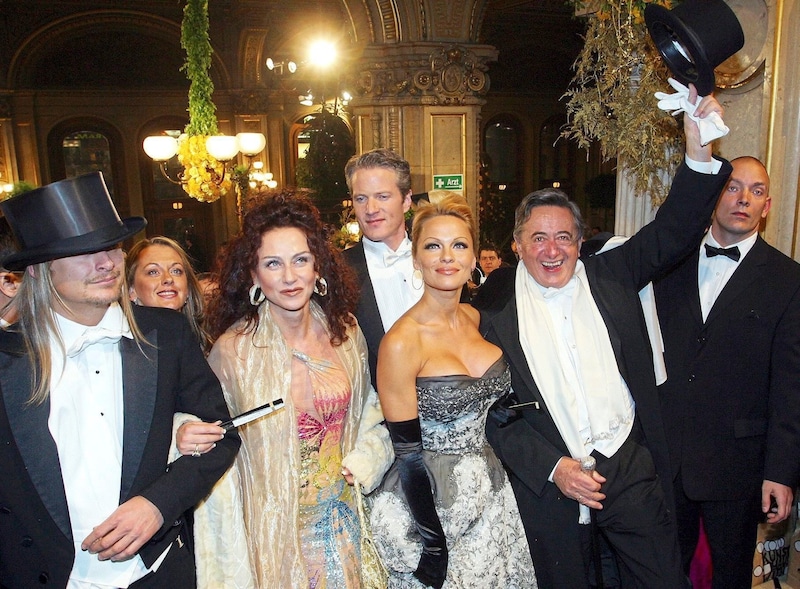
{"x":88,"y":389}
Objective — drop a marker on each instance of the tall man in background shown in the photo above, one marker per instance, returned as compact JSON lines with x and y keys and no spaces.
{"x":380,"y":186}
{"x":88,"y":389}
{"x":730,"y":316}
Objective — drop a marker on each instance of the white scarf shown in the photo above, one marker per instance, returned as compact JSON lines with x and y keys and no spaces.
{"x":592,"y":384}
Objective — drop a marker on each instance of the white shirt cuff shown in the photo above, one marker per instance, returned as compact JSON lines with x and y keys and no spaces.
{"x":712,"y":167}
{"x":553,"y":472}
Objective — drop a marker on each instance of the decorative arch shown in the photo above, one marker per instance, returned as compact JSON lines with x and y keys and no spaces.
{"x":389,"y":21}
{"x":147,"y":30}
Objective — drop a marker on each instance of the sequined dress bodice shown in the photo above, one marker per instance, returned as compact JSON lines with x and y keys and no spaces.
{"x":453,"y":409}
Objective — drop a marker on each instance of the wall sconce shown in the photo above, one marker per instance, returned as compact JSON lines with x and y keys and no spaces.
{"x":278,"y":66}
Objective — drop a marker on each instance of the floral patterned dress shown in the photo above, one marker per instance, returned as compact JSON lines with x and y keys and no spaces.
{"x":329,"y":529}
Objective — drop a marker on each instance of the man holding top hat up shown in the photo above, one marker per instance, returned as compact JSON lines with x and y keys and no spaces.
{"x":582,"y":435}
{"x":88,"y":388}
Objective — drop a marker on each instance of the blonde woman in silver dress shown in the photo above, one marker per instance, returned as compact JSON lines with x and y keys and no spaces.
{"x":445,"y":514}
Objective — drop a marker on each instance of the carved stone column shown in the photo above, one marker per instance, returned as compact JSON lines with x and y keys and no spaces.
{"x":783,"y":132}
{"x":423,"y":100}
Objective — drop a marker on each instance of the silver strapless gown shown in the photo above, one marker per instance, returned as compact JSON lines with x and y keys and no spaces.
{"x":485,"y":538}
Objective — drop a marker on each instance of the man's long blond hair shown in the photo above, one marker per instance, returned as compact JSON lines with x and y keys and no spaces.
{"x":35,"y":301}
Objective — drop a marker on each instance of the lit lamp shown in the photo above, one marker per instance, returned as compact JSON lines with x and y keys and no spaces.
{"x":160,"y":148}
{"x":223,"y":148}
{"x":258,"y":177}
{"x":277,"y":66}
{"x":353,"y":229}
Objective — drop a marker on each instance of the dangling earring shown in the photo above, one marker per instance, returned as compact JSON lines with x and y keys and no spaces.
{"x":321,"y":286}
{"x":416,"y":276}
{"x":256,"y":295}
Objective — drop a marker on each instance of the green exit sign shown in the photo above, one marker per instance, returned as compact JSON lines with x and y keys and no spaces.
{"x":448,"y":181}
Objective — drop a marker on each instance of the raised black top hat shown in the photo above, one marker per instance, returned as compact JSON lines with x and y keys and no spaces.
{"x":65,"y":218}
{"x":695,"y":37}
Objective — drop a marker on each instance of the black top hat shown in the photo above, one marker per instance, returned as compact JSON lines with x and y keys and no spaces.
{"x":695,"y":37}
{"x":65,"y":218}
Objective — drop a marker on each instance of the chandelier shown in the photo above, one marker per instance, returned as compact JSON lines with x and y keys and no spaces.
{"x":222,"y":148}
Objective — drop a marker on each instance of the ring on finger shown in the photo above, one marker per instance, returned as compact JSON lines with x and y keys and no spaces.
{"x":196,"y":452}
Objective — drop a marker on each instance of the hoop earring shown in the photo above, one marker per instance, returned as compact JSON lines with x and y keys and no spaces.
{"x":256,"y":295}
{"x":417,"y":275}
{"x":321,"y":286}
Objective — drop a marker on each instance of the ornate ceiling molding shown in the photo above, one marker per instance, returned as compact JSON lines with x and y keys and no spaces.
{"x":436,"y":74}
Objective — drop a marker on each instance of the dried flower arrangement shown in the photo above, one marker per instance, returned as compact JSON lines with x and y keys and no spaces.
{"x":610,"y":99}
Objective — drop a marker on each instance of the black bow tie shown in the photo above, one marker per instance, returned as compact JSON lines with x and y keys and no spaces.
{"x":730,"y":252}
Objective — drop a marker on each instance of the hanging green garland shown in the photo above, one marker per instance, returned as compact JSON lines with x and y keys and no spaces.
{"x":196,"y":43}
{"x":200,"y":169}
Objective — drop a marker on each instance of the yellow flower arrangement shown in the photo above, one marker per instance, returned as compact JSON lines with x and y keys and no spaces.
{"x":201,"y":171}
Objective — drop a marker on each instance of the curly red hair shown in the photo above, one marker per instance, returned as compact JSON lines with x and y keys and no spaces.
{"x":285,"y":208}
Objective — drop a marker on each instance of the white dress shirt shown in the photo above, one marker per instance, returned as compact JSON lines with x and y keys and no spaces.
{"x":391,"y":273}
{"x":715,"y":272}
{"x":86,"y":422}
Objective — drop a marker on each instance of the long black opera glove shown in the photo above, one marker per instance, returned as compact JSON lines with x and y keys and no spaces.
{"x":407,"y":444}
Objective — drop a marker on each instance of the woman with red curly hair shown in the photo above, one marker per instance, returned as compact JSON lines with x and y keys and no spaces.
{"x":284,"y":327}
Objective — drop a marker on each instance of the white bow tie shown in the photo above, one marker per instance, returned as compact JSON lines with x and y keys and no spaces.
{"x":390,"y":258}
{"x":94,"y":335}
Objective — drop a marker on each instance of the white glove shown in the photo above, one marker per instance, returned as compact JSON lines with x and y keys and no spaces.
{"x":712,"y":127}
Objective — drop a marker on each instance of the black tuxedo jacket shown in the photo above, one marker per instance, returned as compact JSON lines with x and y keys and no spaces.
{"x":531,"y":446}
{"x":732,"y":396}
{"x":36,"y":545}
{"x":367,"y":313}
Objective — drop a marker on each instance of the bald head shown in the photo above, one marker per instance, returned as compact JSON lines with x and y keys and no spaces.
{"x":744,"y":202}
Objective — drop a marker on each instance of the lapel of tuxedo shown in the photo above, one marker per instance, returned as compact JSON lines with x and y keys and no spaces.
{"x":687,"y":276}
{"x":368,"y":314}
{"x":35,"y":444}
{"x":749,"y":270}
{"x":139,"y":389}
